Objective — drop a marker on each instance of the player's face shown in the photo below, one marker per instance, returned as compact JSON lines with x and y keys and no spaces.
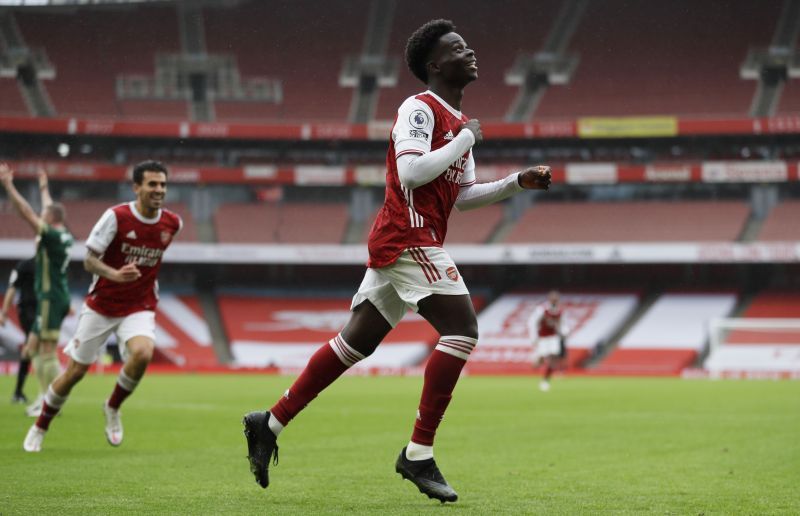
{"x":455,"y":60}
{"x":553,"y":299}
{"x":152,"y":191}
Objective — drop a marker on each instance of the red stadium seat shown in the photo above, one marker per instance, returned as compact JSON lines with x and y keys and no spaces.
{"x":635,"y":221}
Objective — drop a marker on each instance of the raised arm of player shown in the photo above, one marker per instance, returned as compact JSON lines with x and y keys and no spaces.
{"x":20,"y":204}
{"x":125,"y":274}
{"x":44,"y":190}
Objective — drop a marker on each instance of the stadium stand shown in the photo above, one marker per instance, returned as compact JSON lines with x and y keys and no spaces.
{"x":92,"y":49}
{"x":506,"y":347}
{"x":284,"y":332}
{"x":790,"y":98}
{"x":13,"y":226}
{"x":473,"y":226}
{"x":781,"y":224}
{"x":669,"y":336}
{"x":11,"y":101}
{"x":307,"y":62}
{"x":676,"y":58}
{"x":635,"y":221}
{"x":281,"y":223}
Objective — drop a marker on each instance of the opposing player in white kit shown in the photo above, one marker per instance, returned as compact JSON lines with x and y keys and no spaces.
{"x":124,"y":253}
{"x":430,"y":168}
{"x":546,"y":328}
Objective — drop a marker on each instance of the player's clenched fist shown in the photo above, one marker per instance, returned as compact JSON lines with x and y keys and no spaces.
{"x":127,"y":273}
{"x":475,"y":126}
{"x":535,"y":178}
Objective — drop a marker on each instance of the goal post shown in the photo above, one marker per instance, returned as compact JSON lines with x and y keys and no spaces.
{"x":754,"y":346}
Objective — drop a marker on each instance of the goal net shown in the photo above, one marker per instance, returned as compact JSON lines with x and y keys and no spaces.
{"x":750,"y":347}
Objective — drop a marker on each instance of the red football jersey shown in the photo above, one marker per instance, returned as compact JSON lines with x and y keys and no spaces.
{"x":123,"y":235}
{"x":550,"y":323}
{"x":418,"y":217}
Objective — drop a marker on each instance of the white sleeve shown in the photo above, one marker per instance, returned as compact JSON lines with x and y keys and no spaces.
{"x":103,"y":232}
{"x":415,"y":170}
{"x":471,"y":196}
{"x":413,"y":130}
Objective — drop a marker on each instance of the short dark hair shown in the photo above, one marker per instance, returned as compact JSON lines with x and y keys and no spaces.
{"x":421,"y":44}
{"x":58,"y":212}
{"x":147,"y":166}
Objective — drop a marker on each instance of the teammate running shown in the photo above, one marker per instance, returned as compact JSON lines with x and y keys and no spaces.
{"x":430,"y":168}
{"x":546,"y":329}
{"x":124,"y":254}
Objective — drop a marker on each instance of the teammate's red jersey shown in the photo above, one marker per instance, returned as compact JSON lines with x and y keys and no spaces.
{"x":418,"y":217}
{"x":123,"y":235}
{"x":550,"y":322}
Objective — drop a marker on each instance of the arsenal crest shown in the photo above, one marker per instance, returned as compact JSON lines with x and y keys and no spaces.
{"x":452,"y":273}
{"x":166,"y":236}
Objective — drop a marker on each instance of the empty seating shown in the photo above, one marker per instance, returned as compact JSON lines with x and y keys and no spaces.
{"x":790,"y":98}
{"x":11,"y":102}
{"x":473,"y":226}
{"x":669,"y":336}
{"x":89,"y":49}
{"x":13,"y":225}
{"x":506,"y":347}
{"x":300,"y":43}
{"x":782,"y":223}
{"x":284,"y":332}
{"x":671,"y":58}
{"x":638,"y":221}
{"x":281,"y":223}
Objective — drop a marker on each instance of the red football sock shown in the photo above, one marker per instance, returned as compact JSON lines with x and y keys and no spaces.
{"x":548,"y":372}
{"x":441,"y":374}
{"x":47,"y":415}
{"x":324,"y":366}
{"x":118,"y":396}
{"x":122,"y":389}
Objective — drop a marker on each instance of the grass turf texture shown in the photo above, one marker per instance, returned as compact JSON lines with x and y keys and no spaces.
{"x":591,"y":445}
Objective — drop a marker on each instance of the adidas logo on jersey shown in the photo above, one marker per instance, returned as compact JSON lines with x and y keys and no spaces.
{"x":448,"y":135}
{"x":131,"y":234}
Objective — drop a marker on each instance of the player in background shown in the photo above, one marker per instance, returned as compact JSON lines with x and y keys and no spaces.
{"x":430,"y":168}
{"x":124,"y":252}
{"x":21,"y":281}
{"x":546,"y":329}
{"x":53,"y":242}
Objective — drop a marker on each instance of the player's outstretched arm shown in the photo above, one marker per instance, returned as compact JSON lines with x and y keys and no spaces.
{"x":19,"y":202}
{"x":125,"y":274}
{"x":476,"y":195}
{"x":44,"y":190}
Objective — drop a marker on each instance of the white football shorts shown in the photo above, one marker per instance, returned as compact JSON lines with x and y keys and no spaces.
{"x":417,"y":273}
{"x":547,"y":346}
{"x":94,"y":328}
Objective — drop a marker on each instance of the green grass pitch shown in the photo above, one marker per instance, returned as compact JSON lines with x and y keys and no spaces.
{"x":589,"y":446}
